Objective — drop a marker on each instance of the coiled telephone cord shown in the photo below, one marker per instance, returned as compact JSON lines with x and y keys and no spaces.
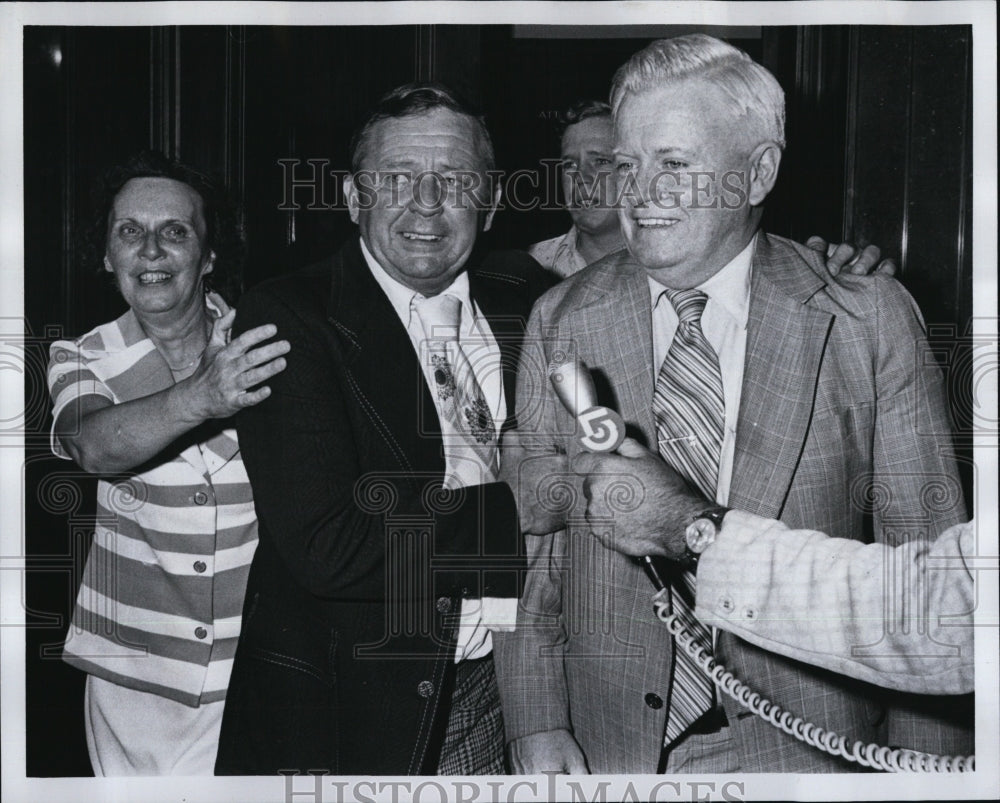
{"x":867,"y":755}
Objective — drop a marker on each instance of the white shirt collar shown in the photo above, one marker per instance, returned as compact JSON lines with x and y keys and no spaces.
{"x":572,"y":253}
{"x":401,"y":297}
{"x":729,"y":287}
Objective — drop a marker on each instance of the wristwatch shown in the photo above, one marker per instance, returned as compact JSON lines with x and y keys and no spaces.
{"x":700,"y":533}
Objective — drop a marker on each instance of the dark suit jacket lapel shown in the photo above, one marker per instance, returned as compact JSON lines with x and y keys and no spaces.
{"x":786,"y":341}
{"x":382,"y":362}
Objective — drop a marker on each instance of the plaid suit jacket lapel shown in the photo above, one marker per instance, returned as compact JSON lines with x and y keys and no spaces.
{"x":614,"y":325}
{"x":778,"y":394}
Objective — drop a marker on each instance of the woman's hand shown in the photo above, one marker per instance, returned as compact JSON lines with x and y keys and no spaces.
{"x":104,"y":437}
{"x":220,"y":386}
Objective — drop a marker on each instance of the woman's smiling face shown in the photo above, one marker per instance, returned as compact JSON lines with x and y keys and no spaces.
{"x":156,"y":245}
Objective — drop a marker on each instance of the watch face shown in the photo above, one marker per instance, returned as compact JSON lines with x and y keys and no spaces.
{"x":699,"y":535}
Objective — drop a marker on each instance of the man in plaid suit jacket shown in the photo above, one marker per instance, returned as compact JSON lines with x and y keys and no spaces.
{"x":834,"y":420}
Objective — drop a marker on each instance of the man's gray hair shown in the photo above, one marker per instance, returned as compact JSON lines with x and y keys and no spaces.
{"x":752,"y":91}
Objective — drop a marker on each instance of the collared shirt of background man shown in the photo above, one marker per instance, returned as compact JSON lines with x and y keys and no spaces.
{"x":772,"y":389}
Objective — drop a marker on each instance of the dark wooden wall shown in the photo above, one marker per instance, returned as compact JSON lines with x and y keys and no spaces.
{"x":892,"y":109}
{"x":879,"y":151}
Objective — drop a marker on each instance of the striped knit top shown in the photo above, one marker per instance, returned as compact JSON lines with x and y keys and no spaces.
{"x":161,"y":599}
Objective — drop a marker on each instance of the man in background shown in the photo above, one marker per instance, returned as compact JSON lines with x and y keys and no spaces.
{"x":588,"y":185}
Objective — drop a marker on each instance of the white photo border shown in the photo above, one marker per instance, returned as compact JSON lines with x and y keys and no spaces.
{"x":983,"y":784}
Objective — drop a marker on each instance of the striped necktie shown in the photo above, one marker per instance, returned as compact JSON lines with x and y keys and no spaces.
{"x":456,"y":391}
{"x":689,"y":409}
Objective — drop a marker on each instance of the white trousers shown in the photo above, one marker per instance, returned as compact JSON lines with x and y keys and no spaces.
{"x":133,"y":732}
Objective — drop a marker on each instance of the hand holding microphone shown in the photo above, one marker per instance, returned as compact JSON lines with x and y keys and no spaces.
{"x":649,"y":503}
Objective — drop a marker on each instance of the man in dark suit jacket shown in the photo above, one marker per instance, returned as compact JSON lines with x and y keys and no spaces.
{"x":833,"y":419}
{"x":371,"y":552}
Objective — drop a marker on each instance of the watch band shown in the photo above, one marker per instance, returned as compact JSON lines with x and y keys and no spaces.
{"x":715,"y":515}
{"x":689,"y":560}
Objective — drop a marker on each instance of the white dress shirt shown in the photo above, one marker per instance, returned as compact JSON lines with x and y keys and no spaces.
{"x":480,"y":348}
{"x":724,"y":323}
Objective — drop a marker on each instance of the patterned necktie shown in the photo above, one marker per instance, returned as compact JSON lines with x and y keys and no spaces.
{"x":455,"y":389}
{"x":689,"y":409}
